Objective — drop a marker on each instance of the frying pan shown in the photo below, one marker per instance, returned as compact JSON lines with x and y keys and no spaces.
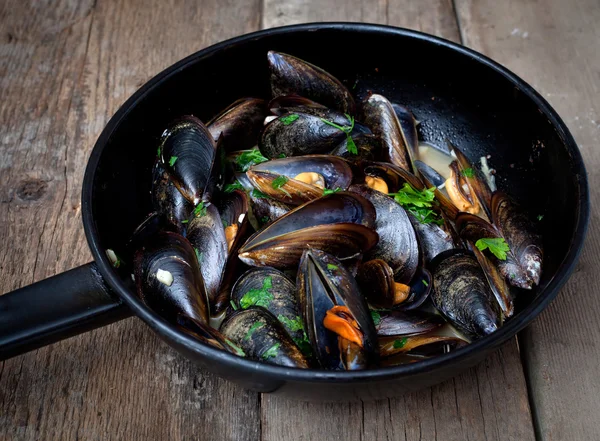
{"x":454,"y":92}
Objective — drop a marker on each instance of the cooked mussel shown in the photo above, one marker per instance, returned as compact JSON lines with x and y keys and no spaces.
{"x":240,"y":123}
{"x":291,"y":75}
{"x":434,"y":238}
{"x":260,"y":335}
{"x":341,"y":224}
{"x":380,"y":117}
{"x":207,"y":335}
{"x":168,"y":278}
{"x":397,"y":240}
{"x":389,"y":323}
{"x":368,"y":147}
{"x":461,"y":293}
{"x":264,"y":209}
{"x":167,"y":199}
{"x":300,"y":179}
{"x":408,"y":124}
{"x":187,"y":152}
{"x":436,"y":342}
{"x":339,"y":325}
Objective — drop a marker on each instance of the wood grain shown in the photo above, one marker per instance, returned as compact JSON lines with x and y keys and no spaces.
{"x":470,"y":407}
{"x":554,"y":46}
{"x":65,"y":67}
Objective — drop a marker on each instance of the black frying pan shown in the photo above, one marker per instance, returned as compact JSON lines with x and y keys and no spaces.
{"x":454,"y":92}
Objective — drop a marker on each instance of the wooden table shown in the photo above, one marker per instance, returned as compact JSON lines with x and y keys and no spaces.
{"x":66,"y":66}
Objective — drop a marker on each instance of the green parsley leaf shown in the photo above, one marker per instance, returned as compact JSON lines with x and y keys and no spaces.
{"x":225,"y":224}
{"x":327,"y":191}
{"x":497,"y":246}
{"x":158,"y":151}
{"x":200,"y":210}
{"x":425,"y":282}
{"x":468,"y":172}
{"x":279,"y":182}
{"x":235,"y":308}
{"x":199,"y":255}
{"x":376,"y":317}
{"x":185,"y":221}
{"x":265,"y":219}
{"x":398,"y":344}
{"x":291,"y":325}
{"x":172,"y":161}
{"x":286,"y":120}
{"x":332,"y":267}
{"x":253,"y":328}
{"x":236,"y":348}
{"x":259,"y":297}
{"x":271,"y":352}
{"x":282,"y":155}
{"x":350,"y":145}
{"x":419,"y":203}
{"x":259,"y":194}
{"x":304,"y":345}
{"x":229,"y":188}
{"x":249,"y":158}
{"x":540,"y":217}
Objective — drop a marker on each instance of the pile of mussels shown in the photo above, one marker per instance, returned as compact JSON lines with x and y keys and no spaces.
{"x":289,"y":232}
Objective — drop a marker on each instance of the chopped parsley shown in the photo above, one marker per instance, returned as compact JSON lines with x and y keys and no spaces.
{"x":259,"y":194}
{"x":249,"y":158}
{"x":497,"y":246}
{"x":292,"y":325}
{"x":376,"y":317}
{"x":279,"y":182}
{"x":199,"y":255}
{"x":185,"y":221}
{"x":265,"y":219}
{"x":281,"y":156}
{"x":332,"y":267}
{"x":271,"y":352}
{"x":468,"y":172}
{"x":398,"y":344}
{"x":231,"y":187}
{"x":253,"y":328}
{"x":286,"y":120}
{"x":235,"y":308}
{"x":200,"y":210}
{"x":225,"y":224}
{"x":158,"y":151}
{"x":172,"y":161}
{"x":327,"y":191}
{"x":419,"y":203}
{"x":260,"y":296}
{"x":350,"y":145}
{"x":425,"y":282}
{"x":236,"y":348}
{"x":540,"y":217}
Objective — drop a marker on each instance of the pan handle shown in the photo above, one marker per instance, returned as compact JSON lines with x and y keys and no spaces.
{"x":56,"y":308}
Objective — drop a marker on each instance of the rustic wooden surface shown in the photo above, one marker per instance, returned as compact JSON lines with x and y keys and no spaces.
{"x":66,"y":66}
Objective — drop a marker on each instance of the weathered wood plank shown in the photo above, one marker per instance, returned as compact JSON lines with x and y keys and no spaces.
{"x":473,"y":406}
{"x":553,"y":45}
{"x":65,"y":67}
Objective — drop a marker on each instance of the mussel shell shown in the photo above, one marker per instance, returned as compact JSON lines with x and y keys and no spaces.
{"x":308,"y":134}
{"x":472,"y":228}
{"x":204,"y":334}
{"x":187,"y":294}
{"x":496,"y":281}
{"x":291,"y":75}
{"x":341,"y":223}
{"x":207,"y":236}
{"x":335,"y":171}
{"x":394,"y":176}
{"x":380,"y":117}
{"x":368,"y":148}
{"x":408,"y":124}
{"x":323,"y":283}
{"x":285,"y":103}
{"x":520,"y":233}
{"x":433,"y":238}
{"x":283,"y":301}
{"x":167,"y":199}
{"x":188,"y":140}
{"x":461,"y":293}
{"x":403,"y":324}
{"x":397,"y":244}
{"x":240,"y":123}
{"x":266,"y":210}
{"x":258,"y":332}
{"x":429,"y":344}
{"x":430,"y":174}
{"x":150,"y":226}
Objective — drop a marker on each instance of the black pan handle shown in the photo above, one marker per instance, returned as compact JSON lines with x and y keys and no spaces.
{"x":56,"y":308}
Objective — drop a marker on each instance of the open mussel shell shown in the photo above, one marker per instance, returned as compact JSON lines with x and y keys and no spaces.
{"x":402,"y":324}
{"x":394,"y":176}
{"x":327,"y":171}
{"x":408,"y":124}
{"x":368,"y":147}
{"x":436,"y":342}
{"x":472,"y":228}
{"x":289,"y":103}
{"x":291,"y":75}
{"x":341,"y":223}
{"x":168,"y":278}
{"x":380,"y":117}
{"x":206,"y":335}
{"x":265,"y":209}
{"x":187,"y":152}
{"x":240,"y":123}
{"x":260,"y":335}
{"x":376,"y":281}
{"x":167,"y":199}
{"x":461,"y":293}
{"x":397,"y":244}
{"x":271,"y":289}
{"x":206,"y":234}
{"x":521,"y":236}
{"x":301,"y":133}
{"x":433,"y":238}
{"x":430,"y":174}
{"x":323,"y":283}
